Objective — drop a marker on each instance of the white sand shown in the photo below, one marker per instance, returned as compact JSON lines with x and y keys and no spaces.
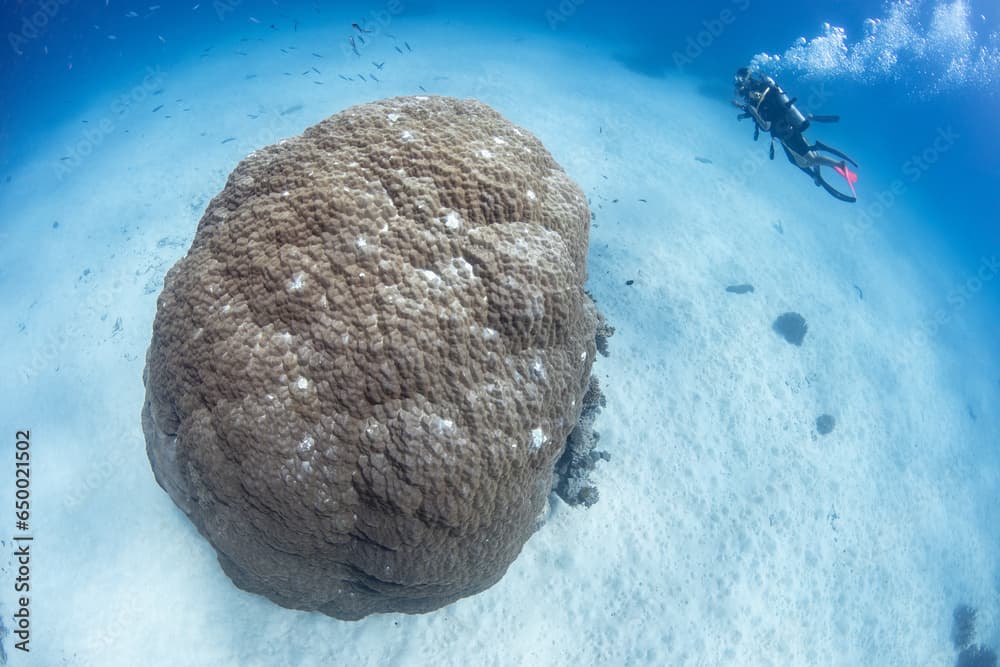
{"x":727,"y":532}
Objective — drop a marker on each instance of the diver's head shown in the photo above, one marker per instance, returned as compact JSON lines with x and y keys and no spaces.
{"x":741,"y":82}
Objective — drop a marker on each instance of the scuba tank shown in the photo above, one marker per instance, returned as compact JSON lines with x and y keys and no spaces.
{"x":793,"y":116}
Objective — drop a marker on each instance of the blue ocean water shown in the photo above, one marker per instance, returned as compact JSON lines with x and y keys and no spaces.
{"x":929,"y":69}
{"x":916,"y":86}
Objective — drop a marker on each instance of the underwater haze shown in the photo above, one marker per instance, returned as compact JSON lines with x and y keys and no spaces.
{"x":800,"y":441}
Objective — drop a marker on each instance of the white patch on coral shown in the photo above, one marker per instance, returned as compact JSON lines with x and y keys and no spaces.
{"x":441,"y":426}
{"x":393,"y":117}
{"x":538,"y":438}
{"x":531,"y":195}
{"x":431,"y":277}
{"x":453,"y":220}
{"x":302,"y":383}
{"x":360,"y":243}
{"x":296,"y":283}
{"x":489,"y":334}
{"x":583,"y":356}
{"x":421,"y":97}
{"x":499,"y":141}
{"x":285,"y":193}
{"x":406,"y":136}
{"x":306,"y":445}
{"x":538,"y":370}
{"x":485,"y":153}
{"x":285,"y":337}
{"x":226,"y":308}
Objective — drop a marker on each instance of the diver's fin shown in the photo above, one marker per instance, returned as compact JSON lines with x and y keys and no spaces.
{"x":842,"y":196}
{"x":849,"y":176}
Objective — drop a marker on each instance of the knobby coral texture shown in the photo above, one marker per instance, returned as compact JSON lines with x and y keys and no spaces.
{"x":366,"y":366}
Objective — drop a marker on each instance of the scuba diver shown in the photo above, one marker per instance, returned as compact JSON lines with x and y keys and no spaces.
{"x":763,"y":100}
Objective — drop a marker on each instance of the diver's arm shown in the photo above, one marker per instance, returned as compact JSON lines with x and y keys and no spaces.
{"x":751,"y":112}
{"x":764,"y":125}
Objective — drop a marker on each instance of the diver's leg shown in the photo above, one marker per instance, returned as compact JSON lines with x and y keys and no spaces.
{"x":818,"y":160}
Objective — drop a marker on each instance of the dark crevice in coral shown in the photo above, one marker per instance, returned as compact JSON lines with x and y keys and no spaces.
{"x":572,"y":480}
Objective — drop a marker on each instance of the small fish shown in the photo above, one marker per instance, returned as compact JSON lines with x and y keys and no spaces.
{"x":359,"y":28}
{"x":643,"y":200}
{"x":374,"y":78}
{"x":399,"y":49}
{"x":316,"y":70}
{"x":252,"y":116}
{"x":132,"y":15}
{"x":112,"y":37}
{"x":318,"y":83}
{"x":363,"y":78}
{"x":407,"y":45}
{"x":242,"y":53}
{"x":361,"y":39}
{"x":307,"y":72}
{"x":64,"y":158}
{"x":254,"y":20}
{"x":343,"y":77}
{"x":296,"y":29}
{"x":291,"y":109}
{"x":250,"y":76}
{"x":422,"y":88}
{"x":379,"y":66}
{"x":157,"y":108}
{"x":703,"y":160}
{"x":228,"y":139}
{"x":158,"y":91}
{"x":161,"y":38}
{"x":354,"y":46}
{"x":195,"y":8}
{"x":317,"y":55}
{"x":283,"y":51}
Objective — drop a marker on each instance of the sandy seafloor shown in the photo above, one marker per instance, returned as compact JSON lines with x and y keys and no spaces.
{"x":728,"y":531}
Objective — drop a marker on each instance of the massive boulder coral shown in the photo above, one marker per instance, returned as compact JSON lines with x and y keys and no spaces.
{"x":366,"y":366}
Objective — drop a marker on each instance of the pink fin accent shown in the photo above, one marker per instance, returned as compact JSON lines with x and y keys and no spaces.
{"x":850,"y":176}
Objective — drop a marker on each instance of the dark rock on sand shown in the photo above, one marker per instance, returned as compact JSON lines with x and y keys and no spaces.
{"x":792,"y":327}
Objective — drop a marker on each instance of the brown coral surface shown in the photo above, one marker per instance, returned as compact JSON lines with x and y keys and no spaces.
{"x":363,"y":370}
